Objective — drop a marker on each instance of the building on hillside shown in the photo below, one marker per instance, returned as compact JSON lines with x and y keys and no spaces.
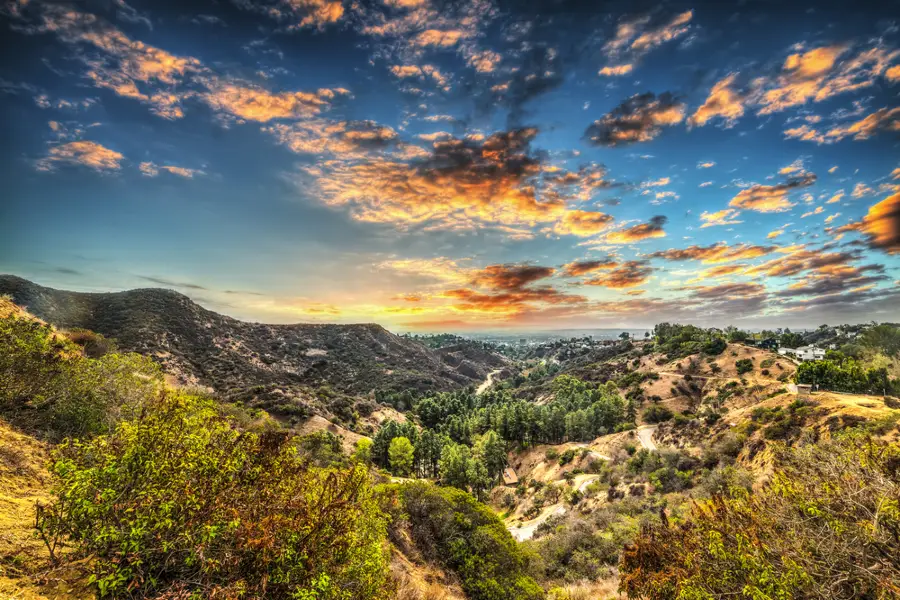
{"x":804,"y":353}
{"x":803,"y":390}
{"x":509,"y":477}
{"x":768,"y":344}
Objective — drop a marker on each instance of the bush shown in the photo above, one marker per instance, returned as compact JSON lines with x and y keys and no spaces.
{"x":745,"y":365}
{"x":657,"y":414}
{"x":566,"y":457}
{"x":179,"y":501}
{"x":450,"y":527}
{"x":50,"y":387}
{"x":803,"y":536}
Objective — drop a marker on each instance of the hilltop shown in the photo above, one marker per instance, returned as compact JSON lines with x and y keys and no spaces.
{"x":199,"y":347}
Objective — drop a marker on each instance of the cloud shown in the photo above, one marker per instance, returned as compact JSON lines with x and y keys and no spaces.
{"x":637,"y":233}
{"x":421,"y":72}
{"x":716,"y":272}
{"x":151,"y":169}
{"x":727,"y":216}
{"x":253,"y":103}
{"x":860,"y":190}
{"x":637,"y":37}
{"x":340,"y":138}
{"x":485,"y":61}
{"x":881,"y":225}
{"x":716,"y":253}
{"x":819,"y":210}
{"x":836,"y":198}
{"x":616,"y":70}
{"x":770,"y":198}
{"x":657,"y":182}
{"x":882,"y":120}
{"x":706,"y":164}
{"x":510,"y":276}
{"x":821,"y":73}
{"x":583,"y":267}
{"x":170,"y":283}
{"x":626,"y":275}
{"x":297,"y":14}
{"x":582,"y":223}
{"x":774,"y":234}
{"x":81,"y":153}
{"x":831,"y":218}
{"x":723,"y":102}
{"x":461,"y":183}
{"x":639,"y":119}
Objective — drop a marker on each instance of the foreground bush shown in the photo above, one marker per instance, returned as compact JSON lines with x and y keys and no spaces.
{"x":451,"y":527}
{"x":827,"y":526}
{"x":178,"y":502}
{"x":49,"y":386}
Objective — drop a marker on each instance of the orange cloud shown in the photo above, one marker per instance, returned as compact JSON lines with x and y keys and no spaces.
{"x":639,"y":119}
{"x":582,"y":223}
{"x":726,"y":216}
{"x":723,"y":102}
{"x":629,"y":274}
{"x":817,"y":211}
{"x":579,"y":268}
{"x":881,"y":225}
{"x":652,"y":38}
{"x":151,"y":169}
{"x":716,"y":272}
{"x":716,"y":253}
{"x":651,"y":229}
{"x":836,"y":198}
{"x":510,"y":276}
{"x":770,"y":198}
{"x":616,"y":71}
{"x":82,"y":153}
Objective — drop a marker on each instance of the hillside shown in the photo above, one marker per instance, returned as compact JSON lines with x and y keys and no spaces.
{"x":201,"y":347}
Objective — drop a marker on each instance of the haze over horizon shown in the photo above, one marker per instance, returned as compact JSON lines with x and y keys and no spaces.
{"x":460,"y":166}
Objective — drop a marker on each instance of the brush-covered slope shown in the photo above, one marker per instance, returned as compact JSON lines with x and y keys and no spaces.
{"x":202,"y":347}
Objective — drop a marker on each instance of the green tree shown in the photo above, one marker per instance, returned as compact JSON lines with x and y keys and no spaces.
{"x":401,"y":454}
{"x":363,"y":451}
{"x":491,"y":451}
{"x":884,"y":337}
{"x":456,"y":466}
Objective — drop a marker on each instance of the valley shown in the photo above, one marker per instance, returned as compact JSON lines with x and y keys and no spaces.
{"x":553,"y":465}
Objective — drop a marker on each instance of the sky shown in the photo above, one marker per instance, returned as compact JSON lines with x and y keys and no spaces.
{"x":460,"y":166}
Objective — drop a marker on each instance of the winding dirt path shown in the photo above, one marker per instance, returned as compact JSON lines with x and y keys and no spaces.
{"x":645,"y":435}
{"x":487,"y":382}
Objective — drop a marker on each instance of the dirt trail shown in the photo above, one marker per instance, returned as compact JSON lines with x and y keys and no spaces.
{"x":487,"y":382}
{"x":525,"y":531}
{"x":645,"y":435}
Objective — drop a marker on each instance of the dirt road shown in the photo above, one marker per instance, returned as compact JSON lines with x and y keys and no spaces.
{"x":525,"y":531}
{"x":645,"y":435}
{"x":487,"y":382}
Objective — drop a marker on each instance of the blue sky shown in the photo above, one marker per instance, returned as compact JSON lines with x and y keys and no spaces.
{"x":460,"y":165}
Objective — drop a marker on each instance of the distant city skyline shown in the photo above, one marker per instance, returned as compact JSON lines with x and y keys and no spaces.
{"x":460,"y":166}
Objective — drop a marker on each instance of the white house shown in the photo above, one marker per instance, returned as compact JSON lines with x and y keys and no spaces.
{"x":804,"y":353}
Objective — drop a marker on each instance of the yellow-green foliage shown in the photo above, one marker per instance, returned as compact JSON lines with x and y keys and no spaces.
{"x":48,"y":385}
{"x":177,"y":501}
{"x":451,"y":527}
{"x":828,"y":526}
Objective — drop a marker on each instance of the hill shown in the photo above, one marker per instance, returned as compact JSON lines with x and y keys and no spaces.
{"x":200,"y":347}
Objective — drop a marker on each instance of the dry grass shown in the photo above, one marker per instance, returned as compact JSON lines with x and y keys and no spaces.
{"x":25,"y":570}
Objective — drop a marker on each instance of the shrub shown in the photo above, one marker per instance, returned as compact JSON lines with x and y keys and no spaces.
{"x":49,"y":386}
{"x":452,"y":528}
{"x":745,"y":365}
{"x":803,"y":536}
{"x":567,"y":457}
{"x":179,"y":501}
{"x":657,"y":414}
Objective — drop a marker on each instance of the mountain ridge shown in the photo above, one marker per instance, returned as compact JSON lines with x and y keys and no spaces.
{"x":201,"y":347}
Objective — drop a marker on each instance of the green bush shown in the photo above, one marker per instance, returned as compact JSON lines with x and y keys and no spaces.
{"x":745,"y":365}
{"x":451,"y":527}
{"x":179,"y":501}
{"x":657,"y":413}
{"x":566,"y":457}
{"x":49,"y":386}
